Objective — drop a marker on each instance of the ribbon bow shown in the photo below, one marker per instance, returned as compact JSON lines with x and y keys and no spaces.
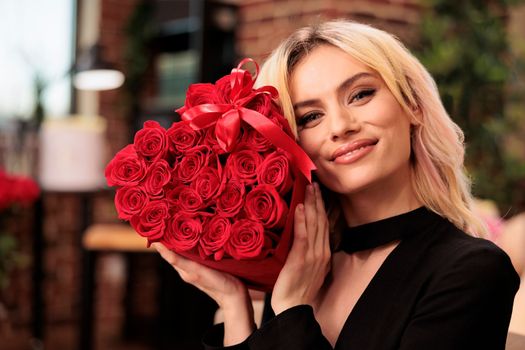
{"x":227,"y":118}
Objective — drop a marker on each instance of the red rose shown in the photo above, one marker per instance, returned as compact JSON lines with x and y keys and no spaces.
{"x":173,"y":197}
{"x":215,"y":236}
{"x":183,"y":232}
{"x":151,"y":142}
{"x":151,"y":222}
{"x":198,"y":94}
{"x":254,"y":140}
{"x":129,"y":201}
{"x":262,"y":103}
{"x":207,"y":183}
{"x":126,"y":168}
{"x":189,"y":200}
{"x":194,"y":160}
{"x":244,"y":164}
{"x":276,"y":116}
{"x":263,"y":204}
{"x":246,"y":240}
{"x":223,"y":90}
{"x":182,"y":137}
{"x":157,"y":176}
{"x":210,"y":140}
{"x":275,"y":171}
{"x":231,"y":199}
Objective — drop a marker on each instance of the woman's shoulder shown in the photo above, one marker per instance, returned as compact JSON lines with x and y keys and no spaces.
{"x":453,"y":249}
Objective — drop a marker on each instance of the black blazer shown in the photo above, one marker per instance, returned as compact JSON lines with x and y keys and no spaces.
{"x":438,"y":289}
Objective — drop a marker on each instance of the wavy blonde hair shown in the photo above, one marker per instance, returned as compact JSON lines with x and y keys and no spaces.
{"x":439,"y":178}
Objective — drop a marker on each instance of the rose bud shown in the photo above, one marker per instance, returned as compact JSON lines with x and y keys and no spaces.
{"x":223,"y":90}
{"x":275,"y":171}
{"x":244,"y":164}
{"x":181,"y":137}
{"x":126,"y":168}
{"x":151,"y":142}
{"x":183,"y":232}
{"x":263,"y":204}
{"x":157,"y":176}
{"x":129,"y":201}
{"x":254,"y":140}
{"x":194,"y":160}
{"x":151,"y":222}
{"x":216,"y":234}
{"x":189,"y":200}
{"x":231,"y":199}
{"x":246,"y":240}
{"x":207,"y":184}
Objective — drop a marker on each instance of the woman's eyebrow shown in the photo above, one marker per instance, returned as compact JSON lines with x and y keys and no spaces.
{"x":343,"y":86}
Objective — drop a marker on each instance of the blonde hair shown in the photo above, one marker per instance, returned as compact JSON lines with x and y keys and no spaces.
{"x":438,"y":174}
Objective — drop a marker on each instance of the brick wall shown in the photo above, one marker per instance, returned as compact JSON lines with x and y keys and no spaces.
{"x":114,"y":17}
{"x":264,"y":23}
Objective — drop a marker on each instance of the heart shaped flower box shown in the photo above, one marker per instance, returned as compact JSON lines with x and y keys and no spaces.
{"x":221,"y":185}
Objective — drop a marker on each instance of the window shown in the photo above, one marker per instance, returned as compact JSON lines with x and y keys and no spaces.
{"x":36,"y":40}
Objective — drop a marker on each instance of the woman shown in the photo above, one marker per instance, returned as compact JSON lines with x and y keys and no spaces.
{"x":403,"y":274}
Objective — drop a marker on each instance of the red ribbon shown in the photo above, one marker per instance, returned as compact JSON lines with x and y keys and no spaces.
{"x":227,"y":118}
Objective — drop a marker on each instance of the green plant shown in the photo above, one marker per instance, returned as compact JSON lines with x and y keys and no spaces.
{"x":465,"y":46}
{"x":9,"y":258}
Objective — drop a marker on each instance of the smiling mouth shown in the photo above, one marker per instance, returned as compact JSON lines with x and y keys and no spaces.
{"x":353,"y":150}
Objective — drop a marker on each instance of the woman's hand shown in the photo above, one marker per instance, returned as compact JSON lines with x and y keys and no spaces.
{"x":227,"y":291}
{"x":308,"y":262}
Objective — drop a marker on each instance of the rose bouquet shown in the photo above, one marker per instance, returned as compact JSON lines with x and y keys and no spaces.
{"x":221,"y":185}
{"x":17,"y":190}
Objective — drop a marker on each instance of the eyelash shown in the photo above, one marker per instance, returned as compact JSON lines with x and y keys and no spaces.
{"x":302,"y":121}
{"x":312,"y":115}
{"x":364,"y":93}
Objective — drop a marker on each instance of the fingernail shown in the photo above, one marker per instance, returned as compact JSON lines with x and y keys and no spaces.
{"x":310,"y":188}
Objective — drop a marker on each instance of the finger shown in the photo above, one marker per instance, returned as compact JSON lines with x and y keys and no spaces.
{"x":181,"y":264}
{"x":189,"y":271}
{"x":310,"y":212}
{"x":166,"y":254}
{"x":300,"y":242}
{"x":322,"y":221}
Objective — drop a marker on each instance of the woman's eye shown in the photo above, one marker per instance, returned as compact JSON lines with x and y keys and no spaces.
{"x":308,"y":118}
{"x":362,"y":94}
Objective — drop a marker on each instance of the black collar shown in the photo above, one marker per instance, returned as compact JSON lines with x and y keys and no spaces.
{"x":378,"y":233}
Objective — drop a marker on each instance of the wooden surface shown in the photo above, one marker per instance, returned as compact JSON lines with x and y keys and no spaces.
{"x":114,"y":237}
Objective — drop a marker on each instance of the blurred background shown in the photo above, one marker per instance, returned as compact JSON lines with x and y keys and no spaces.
{"x":79,"y":78}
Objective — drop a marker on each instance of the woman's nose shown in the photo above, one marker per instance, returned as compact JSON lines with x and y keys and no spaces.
{"x":343,"y":124}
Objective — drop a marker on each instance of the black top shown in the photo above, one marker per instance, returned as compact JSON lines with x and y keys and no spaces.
{"x":439,"y":289}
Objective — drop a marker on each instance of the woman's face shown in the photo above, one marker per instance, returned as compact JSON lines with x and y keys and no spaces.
{"x":349,"y":123}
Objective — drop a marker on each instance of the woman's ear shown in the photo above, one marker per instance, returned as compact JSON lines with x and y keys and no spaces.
{"x":417,"y":115}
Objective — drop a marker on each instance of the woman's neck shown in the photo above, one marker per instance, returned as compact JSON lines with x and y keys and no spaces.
{"x":379,"y":202}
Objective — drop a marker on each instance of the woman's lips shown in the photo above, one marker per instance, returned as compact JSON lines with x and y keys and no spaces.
{"x":354,"y":151}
